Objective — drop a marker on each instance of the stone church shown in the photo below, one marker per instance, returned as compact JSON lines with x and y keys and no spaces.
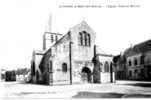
{"x":72,"y":58}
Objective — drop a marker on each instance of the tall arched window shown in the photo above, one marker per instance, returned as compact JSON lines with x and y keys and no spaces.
{"x":101,"y":65}
{"x":80,"y":38}
{"x":130,"y":63}
{"x":83,"y":35}
{"x":89,"y":40}
{"x":86,"y":39}
{"x":106,"y":67}
{"x":142,"y":59}
{"x":64,"y":67}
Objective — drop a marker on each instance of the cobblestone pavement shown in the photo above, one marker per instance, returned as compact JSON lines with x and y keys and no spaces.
{"x":120,"y":89}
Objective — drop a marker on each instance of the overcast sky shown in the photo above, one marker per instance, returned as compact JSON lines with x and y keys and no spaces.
{"x":23,"y":22}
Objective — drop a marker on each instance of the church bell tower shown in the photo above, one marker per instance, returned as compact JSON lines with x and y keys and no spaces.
{"x":49,"y":38}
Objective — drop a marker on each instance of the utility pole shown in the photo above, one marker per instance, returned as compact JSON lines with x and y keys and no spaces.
{"x":94,"y":50}
{"x":70,"y":60}
{"x":111,"y":73}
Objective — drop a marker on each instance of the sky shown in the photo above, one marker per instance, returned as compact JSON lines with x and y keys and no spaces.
{"x":23,"y":22}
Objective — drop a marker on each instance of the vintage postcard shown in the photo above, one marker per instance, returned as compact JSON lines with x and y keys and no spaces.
{"x":75,"y":49}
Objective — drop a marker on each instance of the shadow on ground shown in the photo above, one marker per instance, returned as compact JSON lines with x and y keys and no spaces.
{"x":140,"y":84}
{"x":97,"y":95}
{"x":108,"y":95}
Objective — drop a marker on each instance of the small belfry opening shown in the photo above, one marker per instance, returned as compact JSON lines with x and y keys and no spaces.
{"x":86,"y":75}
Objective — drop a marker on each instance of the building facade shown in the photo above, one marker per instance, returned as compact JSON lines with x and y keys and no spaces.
{"x":70,"y":59}
{"x":139,"y":61}
{"x":120,"y":67}
{"x":107,"y":73}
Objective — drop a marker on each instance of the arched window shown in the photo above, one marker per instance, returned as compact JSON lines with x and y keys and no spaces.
{"x":106,"y":67}
{"x":80,"y":38}
{"x":83,"y":35}
{"x":101,"y":65}
{"x":129,"y":63}
{"x":142,"y":59}
{"x":86,"y":39}
{"x":64,"y":67}
{"x":89,"y":40}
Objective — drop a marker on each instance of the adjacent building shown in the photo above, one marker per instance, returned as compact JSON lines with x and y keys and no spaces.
{"x":10,"y":75}
{"x":138,"y":61}
{"x":120,"y":67}
{"x":2,"y":74}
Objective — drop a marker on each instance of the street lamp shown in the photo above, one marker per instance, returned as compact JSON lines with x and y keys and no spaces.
{"x":70,"y":60}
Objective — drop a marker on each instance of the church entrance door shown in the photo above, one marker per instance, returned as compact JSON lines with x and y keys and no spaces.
{"x":86,"y":75}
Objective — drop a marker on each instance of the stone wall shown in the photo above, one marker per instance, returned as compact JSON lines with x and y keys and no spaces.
{"x":105,"y":73}
{"x":60,"y":55}
{"x":36,"y":60}
{"x":81,"y":56}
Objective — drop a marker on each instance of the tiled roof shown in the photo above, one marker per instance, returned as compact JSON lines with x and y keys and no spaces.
{"x":139,"y":48}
